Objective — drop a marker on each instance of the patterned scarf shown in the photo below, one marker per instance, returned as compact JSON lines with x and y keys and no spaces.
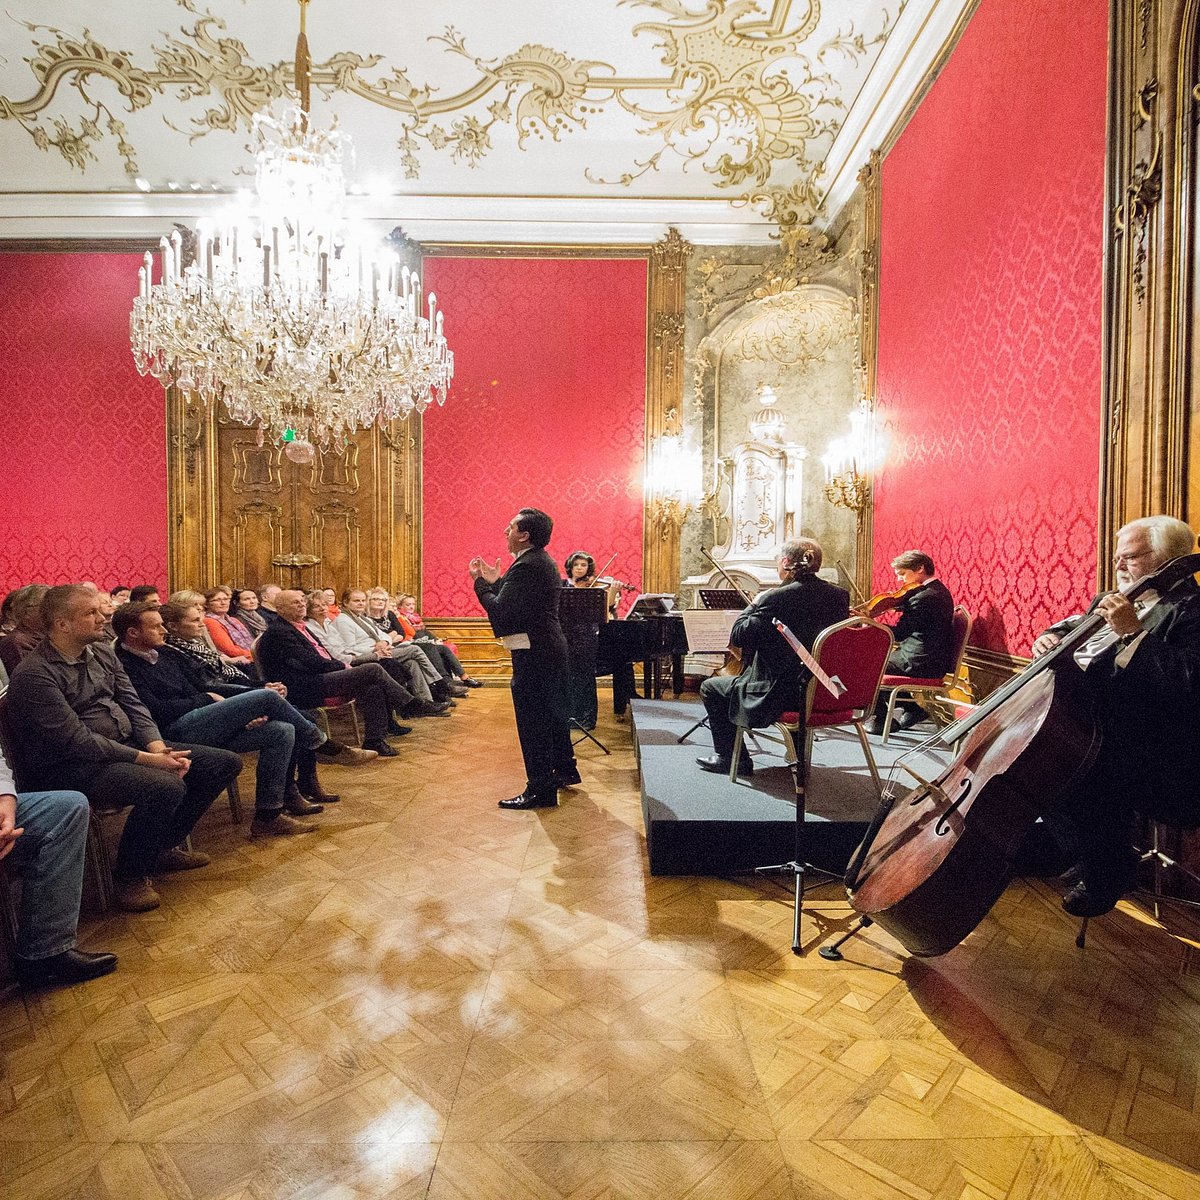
{"x":199,"y":649}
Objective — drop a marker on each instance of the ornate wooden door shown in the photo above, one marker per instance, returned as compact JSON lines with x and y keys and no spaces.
{"x":245,"y":513}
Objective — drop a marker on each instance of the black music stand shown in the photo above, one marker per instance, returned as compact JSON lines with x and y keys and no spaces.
{"x":584,"y":606}
{"x":798,"y":866}
{"x":714,"y":598}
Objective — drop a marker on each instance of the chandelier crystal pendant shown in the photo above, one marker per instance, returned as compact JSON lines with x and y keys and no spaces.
{"x":302,"y":329}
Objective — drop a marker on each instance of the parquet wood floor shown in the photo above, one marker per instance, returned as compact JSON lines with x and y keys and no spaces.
{"x":432,"y":997}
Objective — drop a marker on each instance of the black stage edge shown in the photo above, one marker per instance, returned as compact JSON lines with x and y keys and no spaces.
{"x":698,"y":823}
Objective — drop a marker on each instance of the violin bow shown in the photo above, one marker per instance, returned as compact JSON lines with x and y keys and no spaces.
{"x":726,"y":577}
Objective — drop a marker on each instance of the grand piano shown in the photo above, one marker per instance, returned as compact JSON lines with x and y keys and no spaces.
{"x":649,"y":638}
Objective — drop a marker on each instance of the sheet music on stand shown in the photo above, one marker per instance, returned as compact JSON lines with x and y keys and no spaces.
{"x":708,"y":630}
{"x":721,"y":598}
{"x":653,"y":604}
{"x":583,"y":606}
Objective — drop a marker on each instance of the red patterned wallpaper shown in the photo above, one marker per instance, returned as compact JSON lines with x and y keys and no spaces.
{"x":84,"y":476}
{"x":547,"y":409}
{"x":990,"y":319}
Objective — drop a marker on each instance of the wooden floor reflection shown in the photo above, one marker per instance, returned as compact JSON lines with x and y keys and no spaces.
{"x":432,"y":997}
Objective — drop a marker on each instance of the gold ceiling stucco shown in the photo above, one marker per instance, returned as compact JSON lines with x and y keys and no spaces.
{"x":744,"y":101}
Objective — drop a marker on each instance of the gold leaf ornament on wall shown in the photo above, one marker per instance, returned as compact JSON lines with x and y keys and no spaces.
{"x":744,"y":96}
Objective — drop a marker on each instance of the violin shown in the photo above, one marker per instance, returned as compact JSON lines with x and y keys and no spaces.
{"x":885,"y":601}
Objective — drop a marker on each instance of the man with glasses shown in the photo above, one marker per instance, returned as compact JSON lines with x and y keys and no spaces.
{"x":1142,"y":671}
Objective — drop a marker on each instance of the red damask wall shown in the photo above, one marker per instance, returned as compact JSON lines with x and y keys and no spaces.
{"x":990,"y":311}
{"x":83,"y":477}
{"x":547,"y":409}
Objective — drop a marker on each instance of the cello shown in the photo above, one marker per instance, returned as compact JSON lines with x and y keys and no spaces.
{"x":934,"y":861}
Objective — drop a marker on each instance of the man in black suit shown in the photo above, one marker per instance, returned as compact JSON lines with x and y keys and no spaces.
{"x":1142,"y":670}
{"x":773,"y":677}
{"x":522,"y":607}
{"x":924,"y":635}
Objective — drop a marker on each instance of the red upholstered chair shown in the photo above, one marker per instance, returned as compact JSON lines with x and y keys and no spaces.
{"x":929,"y":689}
{"x":856,"y":652}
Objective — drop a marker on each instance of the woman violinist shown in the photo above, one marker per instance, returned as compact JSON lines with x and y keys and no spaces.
{"x":924,"y":632}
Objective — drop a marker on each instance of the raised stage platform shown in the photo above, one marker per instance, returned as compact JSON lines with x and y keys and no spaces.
{"x":698,"y":823}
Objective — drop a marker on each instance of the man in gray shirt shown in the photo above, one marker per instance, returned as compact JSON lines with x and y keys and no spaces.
{"x":80,"y":725}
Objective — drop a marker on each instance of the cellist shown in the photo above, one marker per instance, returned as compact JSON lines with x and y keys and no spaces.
{"x":773,"y":677}
{"x":1143,"y":671}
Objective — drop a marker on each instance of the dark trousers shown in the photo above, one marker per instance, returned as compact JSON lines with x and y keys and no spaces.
{"x":714,"y":691}
{"x":165,"y":807}
{"x":376,"y":692}
{"x":539,"y":692}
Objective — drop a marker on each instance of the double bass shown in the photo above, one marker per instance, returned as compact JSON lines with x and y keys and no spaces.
{"x":934,"y":861}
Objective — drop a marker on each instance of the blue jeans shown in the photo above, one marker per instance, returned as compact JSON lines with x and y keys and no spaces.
{"x":223,"y":724}
{"x":49,"y":855}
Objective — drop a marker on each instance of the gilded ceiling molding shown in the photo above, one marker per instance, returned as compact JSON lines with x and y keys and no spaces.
{"x":724,"y":102}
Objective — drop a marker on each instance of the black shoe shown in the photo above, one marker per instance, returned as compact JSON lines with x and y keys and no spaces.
{"x":297,"y":805}
{"x":525,"y":800}
{"x":381,"y":748}
{"x":906,"y":718}
{"x":329,"y":748}
{"x":428,"y":708}
{"x":720,"y":766}
{"x":468,"y":681}
{"x":1082,"y":901}
{"x":395,"y":729}
{"x":317,"y":794}
{"x":565,"y":777}
{"x":874,"y":726}
{"x":71,"y":966}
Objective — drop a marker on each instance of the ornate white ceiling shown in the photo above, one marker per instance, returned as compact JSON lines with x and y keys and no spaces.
{"x":544,"y":120}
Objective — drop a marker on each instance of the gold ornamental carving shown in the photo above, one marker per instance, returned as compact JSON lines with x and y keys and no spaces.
{"x":722,"y":103}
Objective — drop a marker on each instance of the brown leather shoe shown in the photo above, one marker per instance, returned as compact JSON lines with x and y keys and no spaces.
{"x":179,"y":859}
{"x":279,"y":825}
{"x":136,"y":895}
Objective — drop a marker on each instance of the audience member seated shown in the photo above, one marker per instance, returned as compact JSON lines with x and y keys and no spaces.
{"x":43,"y":835}
{"x":185,"y":624}
{"x":289,"y":652}
{"x":82,"y":727}
{"x":107,"y":608}
{"x":409,"y":631}
{"x":331,"y":602}
{"x":245,"y":609}
{"x":229,"y":637}
{"x":267,"y":595}
{"x":7,"y":624}
{"x":120,"y":594}
{"x":25,"y":607}
{"x":173,"y":689}
{"x":408,"y":665}
{"x":144,"y":591}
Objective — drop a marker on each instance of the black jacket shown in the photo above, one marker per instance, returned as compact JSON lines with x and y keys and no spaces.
{"x":174,"y":685}
{"x":287,"y":656}
{"x":925,"y":633}
{"x":525,"y":600}
{"x":773,"y":676}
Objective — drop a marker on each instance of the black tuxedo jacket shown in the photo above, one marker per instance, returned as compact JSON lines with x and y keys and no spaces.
{"x":286,"y":655}
{"x":773,"y":678}
{"x":525,"y":600}
{"x":925,"y":633}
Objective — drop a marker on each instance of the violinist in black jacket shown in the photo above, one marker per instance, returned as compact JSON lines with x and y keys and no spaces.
{"x":1142,"y":672}
{"x":773,"y":678}
{"x":522,"y":606}
{"x":924,"y":634}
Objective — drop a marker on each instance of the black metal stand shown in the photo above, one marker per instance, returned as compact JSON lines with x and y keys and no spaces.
{"x":587,"y":733}
{"x":683,"y":737}
{"x":798,"y":867}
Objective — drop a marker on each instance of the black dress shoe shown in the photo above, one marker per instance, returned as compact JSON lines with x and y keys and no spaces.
{"x":71,"y":966}
{"x":318,"y":795}
{"x":381,"y":748}
{"x":395,"y":729}
{"x":906,"y":718}
{"x":526,"y":800}
{"x":468,"y":681}
{"x":566,"y":777}
{"x":428,"y":708}
{"x":1082,"y":901}
{"x":720,"y":766}
{"x":874,"y":726}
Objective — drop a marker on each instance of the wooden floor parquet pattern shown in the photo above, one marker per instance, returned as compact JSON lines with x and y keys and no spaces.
{"x":435,"y":998}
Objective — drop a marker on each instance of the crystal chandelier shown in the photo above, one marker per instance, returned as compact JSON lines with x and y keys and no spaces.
{"x":303,"y":330}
